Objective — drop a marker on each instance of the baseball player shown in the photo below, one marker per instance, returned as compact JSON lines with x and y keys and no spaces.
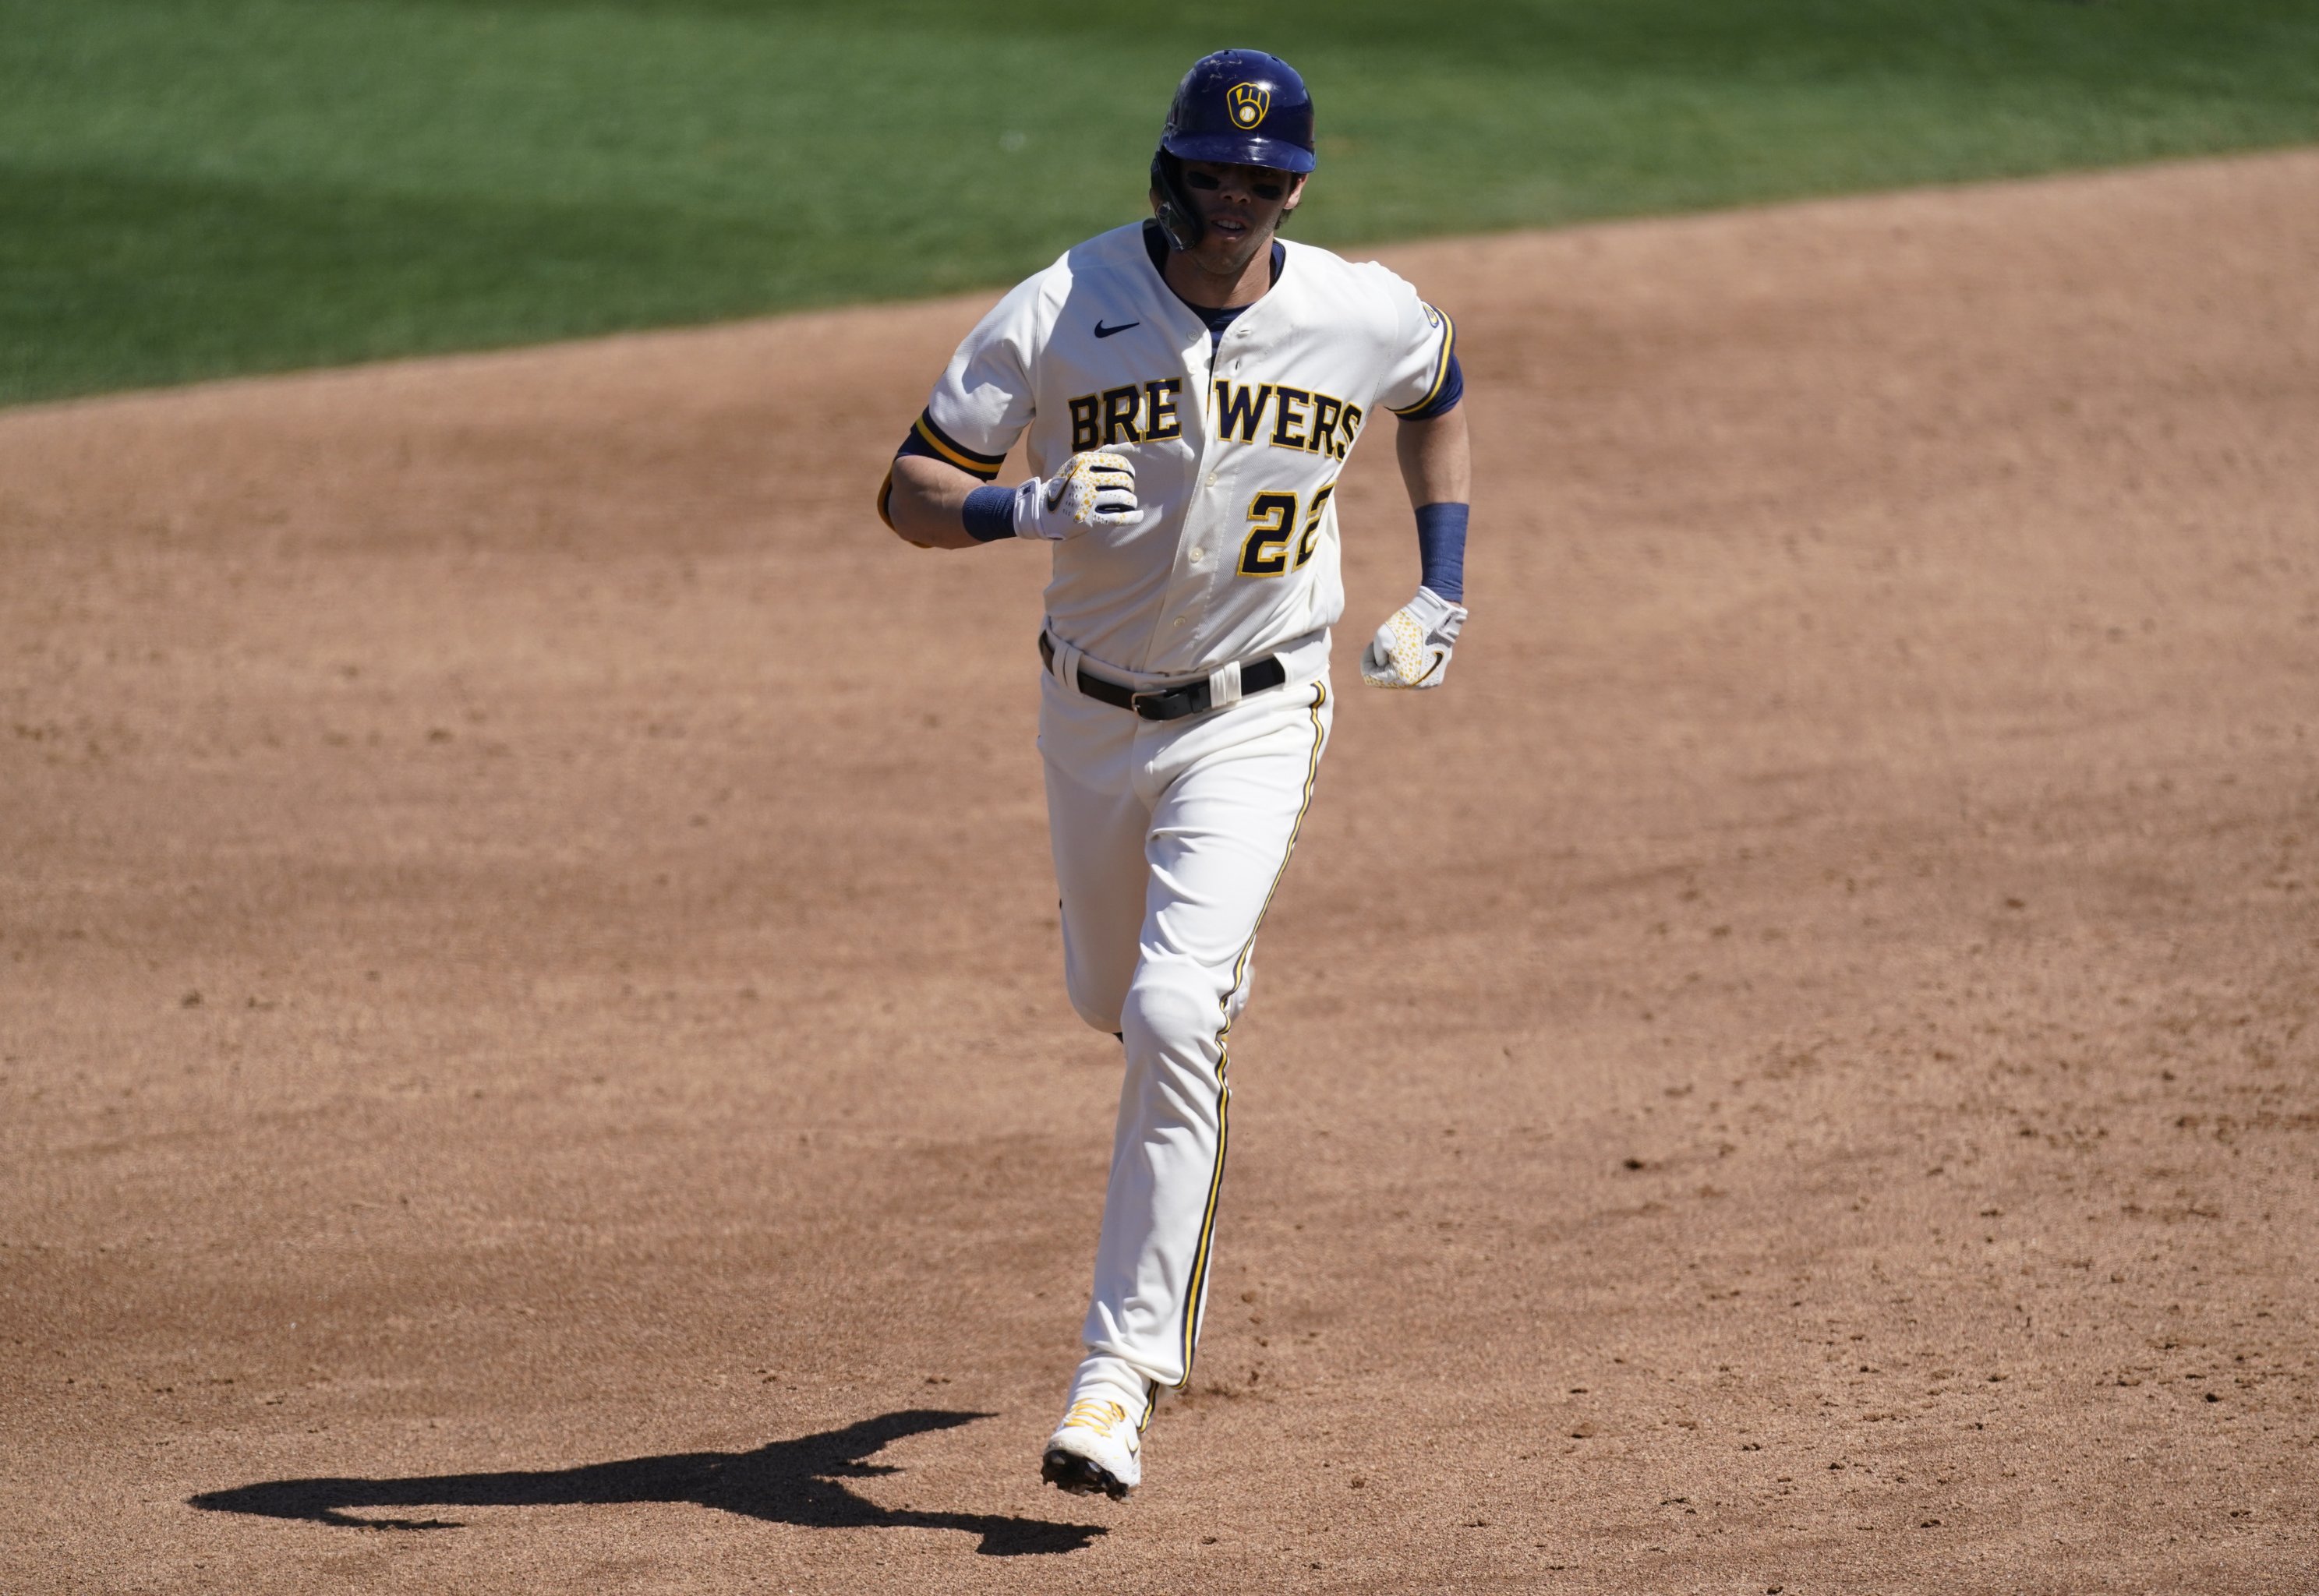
{"x":1190,"y":388}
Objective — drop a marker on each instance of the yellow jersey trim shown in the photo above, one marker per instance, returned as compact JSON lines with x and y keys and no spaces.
{"x":979,"y":466}
{"x":1441,"y":370}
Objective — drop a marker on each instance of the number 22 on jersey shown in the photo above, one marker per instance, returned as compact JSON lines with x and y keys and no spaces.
{"x":1266,"y":552}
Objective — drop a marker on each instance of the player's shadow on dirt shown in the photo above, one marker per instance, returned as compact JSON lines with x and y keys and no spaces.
{"x":785,"y":1483}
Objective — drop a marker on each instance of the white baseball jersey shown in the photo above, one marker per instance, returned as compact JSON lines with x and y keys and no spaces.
{"x":1237,"y":446}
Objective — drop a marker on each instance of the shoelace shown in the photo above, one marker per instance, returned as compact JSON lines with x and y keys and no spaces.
{"x":1094,"y":1413}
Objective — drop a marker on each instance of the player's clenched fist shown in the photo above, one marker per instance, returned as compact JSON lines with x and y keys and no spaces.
{"x":1412,"y":648}
{"x":1093,"y":489}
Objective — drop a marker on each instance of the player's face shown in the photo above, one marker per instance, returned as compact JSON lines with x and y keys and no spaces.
{"x":1239,"y":207}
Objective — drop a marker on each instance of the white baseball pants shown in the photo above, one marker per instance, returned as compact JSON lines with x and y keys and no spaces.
{"x":1170,"y":840}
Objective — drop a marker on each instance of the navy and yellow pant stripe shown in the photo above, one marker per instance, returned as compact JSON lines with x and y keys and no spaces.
{"x":1196,"y":1296}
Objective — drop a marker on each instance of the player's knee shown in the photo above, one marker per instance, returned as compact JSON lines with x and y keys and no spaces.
{"x":1169,"y":1011}
{"x":1101,"y":1016}
{"x":1097,"y":1001}
{"x":1095,"y":977}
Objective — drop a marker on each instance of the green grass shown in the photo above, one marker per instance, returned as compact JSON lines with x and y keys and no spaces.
{"x":191,"y":188}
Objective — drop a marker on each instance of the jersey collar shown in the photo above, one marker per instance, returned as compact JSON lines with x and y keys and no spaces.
{"x":1155,"y":246}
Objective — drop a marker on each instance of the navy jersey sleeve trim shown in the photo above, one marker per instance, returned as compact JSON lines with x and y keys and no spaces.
{"x":1444,"y":399}
{"x":1430,"y":406}
{"x":929,"y":439}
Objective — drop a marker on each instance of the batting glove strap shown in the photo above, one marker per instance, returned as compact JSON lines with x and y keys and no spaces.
{"x":1412,"y":648}
{"x":1093,"y":489}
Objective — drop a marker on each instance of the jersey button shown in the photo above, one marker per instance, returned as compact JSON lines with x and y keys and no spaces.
{"x":1199,"y":554}
{"x":1212,"y":479}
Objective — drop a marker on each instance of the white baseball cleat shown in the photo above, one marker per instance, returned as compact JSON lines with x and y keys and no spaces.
{"x":1095,"y":1449}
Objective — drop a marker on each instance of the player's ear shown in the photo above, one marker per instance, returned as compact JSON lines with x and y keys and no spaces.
{"x":1296,"y":195}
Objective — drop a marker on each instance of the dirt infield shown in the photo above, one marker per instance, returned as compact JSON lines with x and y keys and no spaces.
{"x":532,"y":1053}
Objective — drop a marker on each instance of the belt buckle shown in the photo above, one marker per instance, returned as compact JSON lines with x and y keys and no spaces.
{"x":1173,"y":703}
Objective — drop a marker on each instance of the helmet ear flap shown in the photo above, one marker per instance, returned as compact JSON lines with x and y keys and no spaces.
{"x":1177,"y":217}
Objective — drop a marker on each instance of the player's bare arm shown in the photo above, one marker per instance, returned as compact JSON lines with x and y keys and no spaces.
{"x":1412,"y":648}
{"x":927,"y":500}
{"x":1437,"y":459}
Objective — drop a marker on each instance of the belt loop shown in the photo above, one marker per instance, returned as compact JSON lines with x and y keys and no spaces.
{"x":1066,"y":665}
{"x":1223,"y":687}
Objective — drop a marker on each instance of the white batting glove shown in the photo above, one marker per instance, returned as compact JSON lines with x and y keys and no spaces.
{"x":1093,"y":489}
{"x":1411,"y":649}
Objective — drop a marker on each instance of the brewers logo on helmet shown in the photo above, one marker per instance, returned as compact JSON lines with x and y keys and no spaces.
{"x":1249,"y":103}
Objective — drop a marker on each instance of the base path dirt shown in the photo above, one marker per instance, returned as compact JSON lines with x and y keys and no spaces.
{"x":532,"y":1047}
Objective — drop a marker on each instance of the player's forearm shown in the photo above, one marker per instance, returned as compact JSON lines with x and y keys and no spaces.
{"x":928,"y":503}
{"x":1437,"y":459}
{"x":1437,"y":465}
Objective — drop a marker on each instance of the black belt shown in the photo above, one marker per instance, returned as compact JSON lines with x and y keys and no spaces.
{"x":1171,"y":703}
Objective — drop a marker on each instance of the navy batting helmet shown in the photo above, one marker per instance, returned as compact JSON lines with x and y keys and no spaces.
{"x":1239,"y":106}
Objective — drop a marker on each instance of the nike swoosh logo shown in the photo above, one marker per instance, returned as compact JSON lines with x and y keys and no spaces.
{"x":1440,"y":657}
{"x":1102,"y":331}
